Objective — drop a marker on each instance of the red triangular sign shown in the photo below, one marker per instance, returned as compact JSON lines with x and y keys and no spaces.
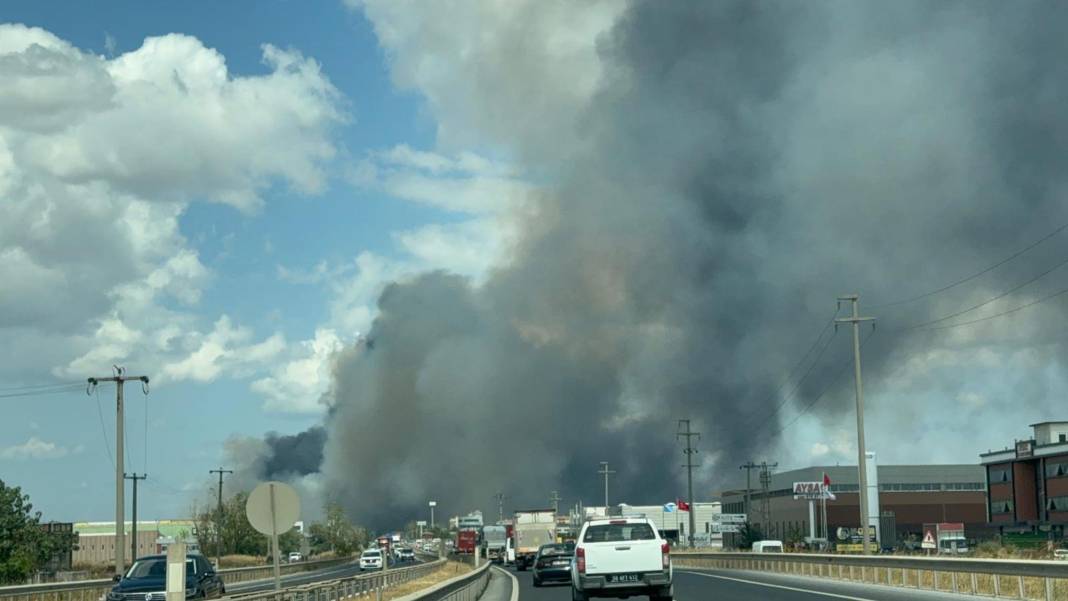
{"x":928,"y":538}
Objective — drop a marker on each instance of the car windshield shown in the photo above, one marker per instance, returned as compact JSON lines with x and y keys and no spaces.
{"x":372,"y":554}
{"x":611,"y":533}
{"x":156,"y":568}
{"x":549,"y":550}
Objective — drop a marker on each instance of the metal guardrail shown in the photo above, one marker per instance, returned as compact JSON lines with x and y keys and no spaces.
{"x":1000,"y":578}
{"x":91,"y":590}
{"x":373,"y":583}
{"x":466,"y":587}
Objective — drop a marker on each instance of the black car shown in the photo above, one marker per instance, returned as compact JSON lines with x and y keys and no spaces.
{"x":553,"y":563}
{"x":146,"y":580}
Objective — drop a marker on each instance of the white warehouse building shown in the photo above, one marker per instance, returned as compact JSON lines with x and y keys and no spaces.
{"x":673,"y":524}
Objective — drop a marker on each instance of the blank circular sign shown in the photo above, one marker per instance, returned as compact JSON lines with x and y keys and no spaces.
{"x":286,"y":508}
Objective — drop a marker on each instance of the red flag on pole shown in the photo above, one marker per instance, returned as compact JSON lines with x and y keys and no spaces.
{"x":826,"y":479}
{"x":682,"y":505}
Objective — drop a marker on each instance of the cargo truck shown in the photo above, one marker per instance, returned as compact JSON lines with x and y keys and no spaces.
{"x":494,"y":541}
{"x":947,"y":538}
{"x":466,"y":541}
{"x":532,"y":529}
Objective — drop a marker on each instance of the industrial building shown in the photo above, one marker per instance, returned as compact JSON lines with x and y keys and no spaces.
{"x":1028,"y":483}
{"x":908,"y":496}
{"x":96,"y":540}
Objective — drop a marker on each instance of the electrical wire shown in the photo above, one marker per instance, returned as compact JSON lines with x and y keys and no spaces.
{"x":144,"y":463}
{"x":103,"y":429}
{"x":808,"y":372}
{"x":41,"y":386}
{"x":1001,"y":314}
{"x":976,"y":274}
{"x":989,"y":300}
{"x":67,"y":388}
{"x":830,"y":384}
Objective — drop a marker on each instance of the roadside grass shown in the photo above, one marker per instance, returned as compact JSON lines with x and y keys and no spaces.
{"x":449,"y":570}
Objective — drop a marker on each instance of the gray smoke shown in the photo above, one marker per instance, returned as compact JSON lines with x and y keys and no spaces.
{"x":745,"y":163}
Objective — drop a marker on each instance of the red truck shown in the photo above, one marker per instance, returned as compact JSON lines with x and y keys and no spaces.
{"x":466,"y":541}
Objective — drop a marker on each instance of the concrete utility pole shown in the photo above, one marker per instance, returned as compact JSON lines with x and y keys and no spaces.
{"x":689,"y":465}
{"x":765,"y":501}
{"x":856,"y":319}
{"x":432,"y":505}
{"x":133,"y":527}
{"x":555,"y":500}
{"x":748,"y":467}
{"x":500,"y":506}
{"x":604,"y":471}
{"x":219,"y":518}
{"x":120,"y":378}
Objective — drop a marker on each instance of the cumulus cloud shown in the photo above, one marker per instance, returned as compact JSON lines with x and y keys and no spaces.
{"x":35,"y":448}
{"x":298,"y":384}
{"x":99,"y":158}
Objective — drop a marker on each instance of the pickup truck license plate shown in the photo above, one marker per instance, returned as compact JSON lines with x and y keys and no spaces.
{"x":621,"y":578}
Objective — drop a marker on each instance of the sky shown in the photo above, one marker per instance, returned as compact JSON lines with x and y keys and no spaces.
{"x":393,"y":252}
{"x":228,"y":279}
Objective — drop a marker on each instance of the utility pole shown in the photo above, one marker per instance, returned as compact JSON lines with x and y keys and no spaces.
{"x":689,"y":465}
{"x":856,"y":319}
{"x":500,"y":506}
{"x":765,"y":501}
{"x":133,"y":528}
{"x":219,"y":518}
{"x":555,"y":500}
{"x":120,"y":378}
{"x":748,"y":467}
{"x":604,"y":471}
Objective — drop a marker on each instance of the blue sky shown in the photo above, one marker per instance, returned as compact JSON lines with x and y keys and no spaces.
{"x":300,"y":263}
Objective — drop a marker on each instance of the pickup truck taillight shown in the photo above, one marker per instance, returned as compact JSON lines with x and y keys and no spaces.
{"x":665,"y":553}
{"x":580,"y":559}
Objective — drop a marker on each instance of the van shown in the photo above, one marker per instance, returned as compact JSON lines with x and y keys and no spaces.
{"x":767,"y":546}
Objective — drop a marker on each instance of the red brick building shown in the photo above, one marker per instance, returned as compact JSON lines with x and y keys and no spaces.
{"x":1027,"y":484}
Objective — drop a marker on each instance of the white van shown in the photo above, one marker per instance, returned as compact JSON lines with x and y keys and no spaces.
{"x":767,"y":546}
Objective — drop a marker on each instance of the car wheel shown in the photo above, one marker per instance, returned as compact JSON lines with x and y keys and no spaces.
{"x":537,"y":583}
{"x":577,"y":595}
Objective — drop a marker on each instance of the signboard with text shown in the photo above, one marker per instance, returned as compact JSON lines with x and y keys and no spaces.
{"x":728,"y":518}
{"x":809,"y":490}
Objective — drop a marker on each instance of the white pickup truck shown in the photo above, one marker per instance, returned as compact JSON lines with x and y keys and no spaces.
{"x":621,"y":557}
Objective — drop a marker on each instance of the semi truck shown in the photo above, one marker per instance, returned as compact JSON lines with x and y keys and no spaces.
{"x":947,"y":538}
{"x":494,"y":540}
{"x":466,"y":541}
{"x":531,"y":529}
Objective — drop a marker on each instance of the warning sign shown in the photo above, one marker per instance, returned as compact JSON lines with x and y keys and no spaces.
{"x":928,"y":540}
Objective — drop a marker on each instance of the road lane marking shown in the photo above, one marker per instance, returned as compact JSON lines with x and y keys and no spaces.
{"x":780,"y":586}
{"x":515,"y":582}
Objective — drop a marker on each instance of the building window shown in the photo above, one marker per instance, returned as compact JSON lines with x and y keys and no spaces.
{"x":1001,"y":507}
{"x":1057,"y":504}
{"x":1000,"y":474}
{"x":1062,"y":438}
{"x":1055,"y":469}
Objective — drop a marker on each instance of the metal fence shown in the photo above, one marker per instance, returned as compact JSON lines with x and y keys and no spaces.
{"x":469,"y":588}
{"x":1001,"y":578}
{"x":373,"y":583}
{"x":92,"y":590}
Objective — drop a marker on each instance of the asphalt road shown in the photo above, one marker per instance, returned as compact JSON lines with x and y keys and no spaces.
{"x":342,"y":571}
{"x":732,"y":585}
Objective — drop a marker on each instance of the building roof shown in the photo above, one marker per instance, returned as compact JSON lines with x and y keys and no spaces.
{"x":1047,"y":423}
{"x":170,"y":528}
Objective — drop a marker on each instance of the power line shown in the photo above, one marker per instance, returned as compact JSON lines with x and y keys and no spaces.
{"x":801,"y":382}
{"x":976,"y":274}
{"x":39,"y":386}
{"x":989,"y":300}
{"x":26,"y":393}
{"x":103,"y":428}
{"x":1002,"y":314}
{"x":790,"y":374}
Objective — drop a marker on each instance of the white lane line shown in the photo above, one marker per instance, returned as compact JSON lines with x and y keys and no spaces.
{"x":779,"y":586}
{"x":515,"y":582}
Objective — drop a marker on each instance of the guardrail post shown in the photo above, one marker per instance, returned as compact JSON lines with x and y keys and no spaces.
{"x":1049,"y":589}
{"x":975,"y":584}
{"x":997,"y":585}
{"x":954,"y":574}
{"x":1019,"y":580}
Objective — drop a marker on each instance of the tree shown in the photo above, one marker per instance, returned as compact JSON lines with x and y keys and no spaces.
{"x":749,"y":534}
{"x":24,"y":545}
{"x":336,"y":533}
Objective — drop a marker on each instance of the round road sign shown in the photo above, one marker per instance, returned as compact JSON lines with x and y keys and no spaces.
{"x":273,"y":508}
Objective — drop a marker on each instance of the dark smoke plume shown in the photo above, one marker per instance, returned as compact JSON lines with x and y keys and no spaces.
{"x":746,"y":162}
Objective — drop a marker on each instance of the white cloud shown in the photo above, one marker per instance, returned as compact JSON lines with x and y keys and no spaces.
{"x":99,"y":158}
{"x":298,"y":385}
{"x":34,"y":448}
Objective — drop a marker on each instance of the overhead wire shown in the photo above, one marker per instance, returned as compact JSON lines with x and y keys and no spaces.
{"x":976,"y":274}
{"x":1001,"y":314}
{"x":1000,"y":296}
{"x":40,"y":392}
{"x":41,"y":386}
{"x":103,"y":429}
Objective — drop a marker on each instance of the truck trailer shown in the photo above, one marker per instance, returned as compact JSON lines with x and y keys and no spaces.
{"x":494,"y":541}
{"x":531,"y":529}
{"x":945,"y":538}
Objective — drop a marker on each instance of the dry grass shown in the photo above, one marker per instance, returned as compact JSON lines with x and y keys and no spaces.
{"x":451,"y":569}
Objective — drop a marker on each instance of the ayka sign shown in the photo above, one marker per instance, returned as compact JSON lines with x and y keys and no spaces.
{"x":808,"y":490}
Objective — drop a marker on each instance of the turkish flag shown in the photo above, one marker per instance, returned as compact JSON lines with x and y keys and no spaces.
{"x":826,"y":479}
{"x":682,"y":505}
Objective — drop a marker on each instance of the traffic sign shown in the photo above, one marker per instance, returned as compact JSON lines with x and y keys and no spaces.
{"x":273,"y":508}
{"x":928,"y":540}
{"x":728,"y":518}
{"x":726,"y":528}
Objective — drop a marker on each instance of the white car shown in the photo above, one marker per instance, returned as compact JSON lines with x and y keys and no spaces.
{"x":371,"y":560}
{"x":295,"y":556}
{"x":621,"y":557}
{"x":767,"y":546}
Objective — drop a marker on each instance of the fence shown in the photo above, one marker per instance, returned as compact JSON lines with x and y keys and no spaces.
{"x":468,"y":587}
{"x":93,"y":590}
{"x":1001,"y":578}
{"x":373,"y":583}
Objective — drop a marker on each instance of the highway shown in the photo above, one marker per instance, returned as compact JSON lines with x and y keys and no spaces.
{"x":733,"y":585}
{"x":342,"y":571}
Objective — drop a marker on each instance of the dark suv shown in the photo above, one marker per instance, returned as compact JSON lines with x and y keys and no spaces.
{"x":146,"y":580}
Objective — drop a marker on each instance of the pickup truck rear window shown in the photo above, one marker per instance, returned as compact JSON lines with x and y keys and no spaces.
{"x":614,"y":533}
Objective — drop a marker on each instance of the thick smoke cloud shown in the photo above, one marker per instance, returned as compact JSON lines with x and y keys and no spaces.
{"x":741,"y":165}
